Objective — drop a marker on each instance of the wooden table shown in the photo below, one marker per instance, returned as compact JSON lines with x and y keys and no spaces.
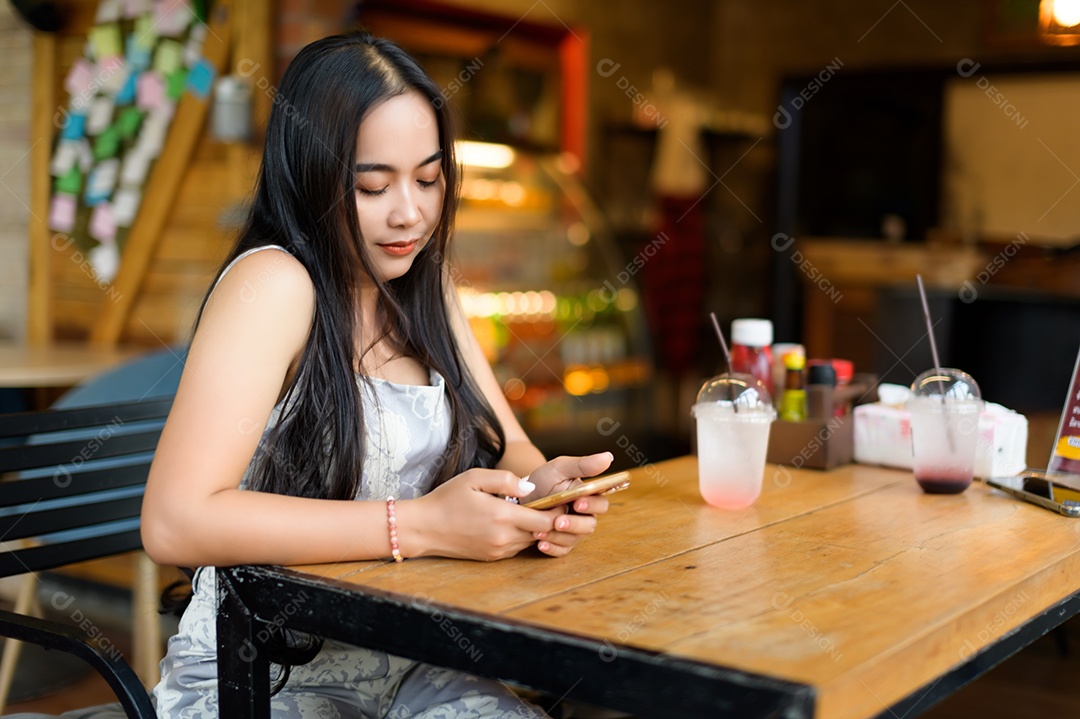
{"x":840,"y":594}
{"x":56,"y":365}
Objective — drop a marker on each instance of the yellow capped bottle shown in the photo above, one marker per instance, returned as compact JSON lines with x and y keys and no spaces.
{"x":793,"y":400}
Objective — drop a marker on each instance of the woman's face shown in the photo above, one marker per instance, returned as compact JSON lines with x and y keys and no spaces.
{"x":399,"y":182}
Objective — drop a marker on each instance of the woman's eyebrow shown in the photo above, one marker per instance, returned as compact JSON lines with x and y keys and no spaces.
{"x":383,"y":167}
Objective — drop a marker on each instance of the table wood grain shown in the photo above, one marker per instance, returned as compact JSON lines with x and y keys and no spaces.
{"x":852,"y":581}
{"x":61,"y":364}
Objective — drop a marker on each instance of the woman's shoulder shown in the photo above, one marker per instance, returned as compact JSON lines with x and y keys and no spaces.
{"x":266,"y":272}
{"x":269,"y":282}
{"x":263,"y":303}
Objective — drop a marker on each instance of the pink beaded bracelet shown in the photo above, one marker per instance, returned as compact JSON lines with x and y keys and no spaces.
{"x":391,"y":521}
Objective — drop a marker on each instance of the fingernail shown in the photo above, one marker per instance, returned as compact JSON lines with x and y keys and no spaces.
{"x":610,"y":456}
{"x":525,"y":486}
{"x":544,"y":546}
{"x":541,"y":535}
{"x":561,"y":523}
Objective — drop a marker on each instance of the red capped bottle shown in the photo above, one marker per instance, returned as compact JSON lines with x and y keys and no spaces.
{"x":751,"y":340}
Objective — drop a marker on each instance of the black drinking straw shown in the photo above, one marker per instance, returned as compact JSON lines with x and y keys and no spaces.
{"x":933,"y":352}
{"x":930,"y":332}
{"x":727,"y":357}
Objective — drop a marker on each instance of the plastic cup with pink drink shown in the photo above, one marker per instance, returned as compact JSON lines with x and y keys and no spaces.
{"x":734,"y":413}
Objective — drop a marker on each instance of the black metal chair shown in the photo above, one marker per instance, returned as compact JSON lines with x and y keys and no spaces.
{"x":71,"y":487}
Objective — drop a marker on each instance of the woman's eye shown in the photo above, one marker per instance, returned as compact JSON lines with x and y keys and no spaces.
{"x":370,"y":193}
{"x":426,"y":183}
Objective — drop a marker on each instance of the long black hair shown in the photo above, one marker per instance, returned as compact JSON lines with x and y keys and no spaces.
{"x":304,"y":202}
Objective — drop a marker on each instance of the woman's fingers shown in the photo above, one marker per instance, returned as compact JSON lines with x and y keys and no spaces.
{"x":554,"y":550}
{"x":575,"y":523}
{"x":593,"y":504}
{"x":498,"y":482}
{"x":564,"y":468}
{"x":558,"y":544}
{"x":568,"y":528}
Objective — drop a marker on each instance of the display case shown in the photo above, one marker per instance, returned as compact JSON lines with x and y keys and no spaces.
{"x":552,"y":304}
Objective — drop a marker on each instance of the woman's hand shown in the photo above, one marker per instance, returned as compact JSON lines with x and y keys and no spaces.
{"x":565,"y":472}
{"x":468,"y":518}
{"x":571,"y":522}
{"x":571,"y":525}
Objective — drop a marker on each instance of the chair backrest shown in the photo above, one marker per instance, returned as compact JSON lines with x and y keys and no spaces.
{"x":154,"y":375}
{"x":72,"y":481}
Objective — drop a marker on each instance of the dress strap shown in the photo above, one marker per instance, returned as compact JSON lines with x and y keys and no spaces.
{"x":239,"y":257}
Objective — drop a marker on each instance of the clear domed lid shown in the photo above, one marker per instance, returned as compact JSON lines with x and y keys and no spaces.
{"x":736,"y":391}
{"x":953,"y":384}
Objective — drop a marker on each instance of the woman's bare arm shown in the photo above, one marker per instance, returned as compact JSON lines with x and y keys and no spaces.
{"x":254,"y":326}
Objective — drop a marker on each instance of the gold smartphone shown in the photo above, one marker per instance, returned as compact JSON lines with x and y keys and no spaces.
{"x":1041,"y":489}
{"x":601,"y":485}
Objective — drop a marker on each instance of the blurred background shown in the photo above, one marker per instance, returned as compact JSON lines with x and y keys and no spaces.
{"x":631,"y":167}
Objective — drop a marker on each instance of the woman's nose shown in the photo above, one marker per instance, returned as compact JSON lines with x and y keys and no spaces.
{"x":406,"y":211}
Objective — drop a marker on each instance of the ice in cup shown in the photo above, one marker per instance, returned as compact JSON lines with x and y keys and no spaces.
{"x":734,"y":413}
{"x":944,"y":409}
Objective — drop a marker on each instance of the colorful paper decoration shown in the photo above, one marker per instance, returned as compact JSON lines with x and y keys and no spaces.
{"x":101,"y":111}
{"x":172,"y":18}
{"x":135,"y":168}
{"x":79,"y":77}
{"x":105,"y":259}
{"x":62,"y":213}
{"x":85,"y":155}
{"x":126,"y":205}
{"x":126,"y":96}
{"x":64,"y":158}
{"x":113,"y":80}
{"x":74,"y":127}
{"x":128,"y":122}
{"x":154,"y":130}
{"x":139,"y":59}
{"x":69,"y":183}
{"x":168,"y":57}
{"x":150,"y":90}
{"x":193,"y":47}
{"x":135,"y":8}
{"x":175,"y":84}
{"x":107,"y":144}
{"x":108,"y":11}
{"x":101,"y":182}
{"x":106,"y":41}
{"x":146,"y":32}
{"x":138,"y":55}
{"x":102,"y":225}
{"x":200,"y":79}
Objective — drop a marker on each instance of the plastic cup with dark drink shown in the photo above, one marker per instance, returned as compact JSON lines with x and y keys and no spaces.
{"x":944,"y":406}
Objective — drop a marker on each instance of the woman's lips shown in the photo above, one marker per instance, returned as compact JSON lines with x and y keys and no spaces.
{"x":398,"y":249}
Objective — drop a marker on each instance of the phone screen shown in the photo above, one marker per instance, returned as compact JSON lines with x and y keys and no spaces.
{"x":1042,"y":488}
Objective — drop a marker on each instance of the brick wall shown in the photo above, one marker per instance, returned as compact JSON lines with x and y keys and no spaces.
{"x":15,"y":143}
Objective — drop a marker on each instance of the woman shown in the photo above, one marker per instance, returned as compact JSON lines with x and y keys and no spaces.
{"x":331,"y":362}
